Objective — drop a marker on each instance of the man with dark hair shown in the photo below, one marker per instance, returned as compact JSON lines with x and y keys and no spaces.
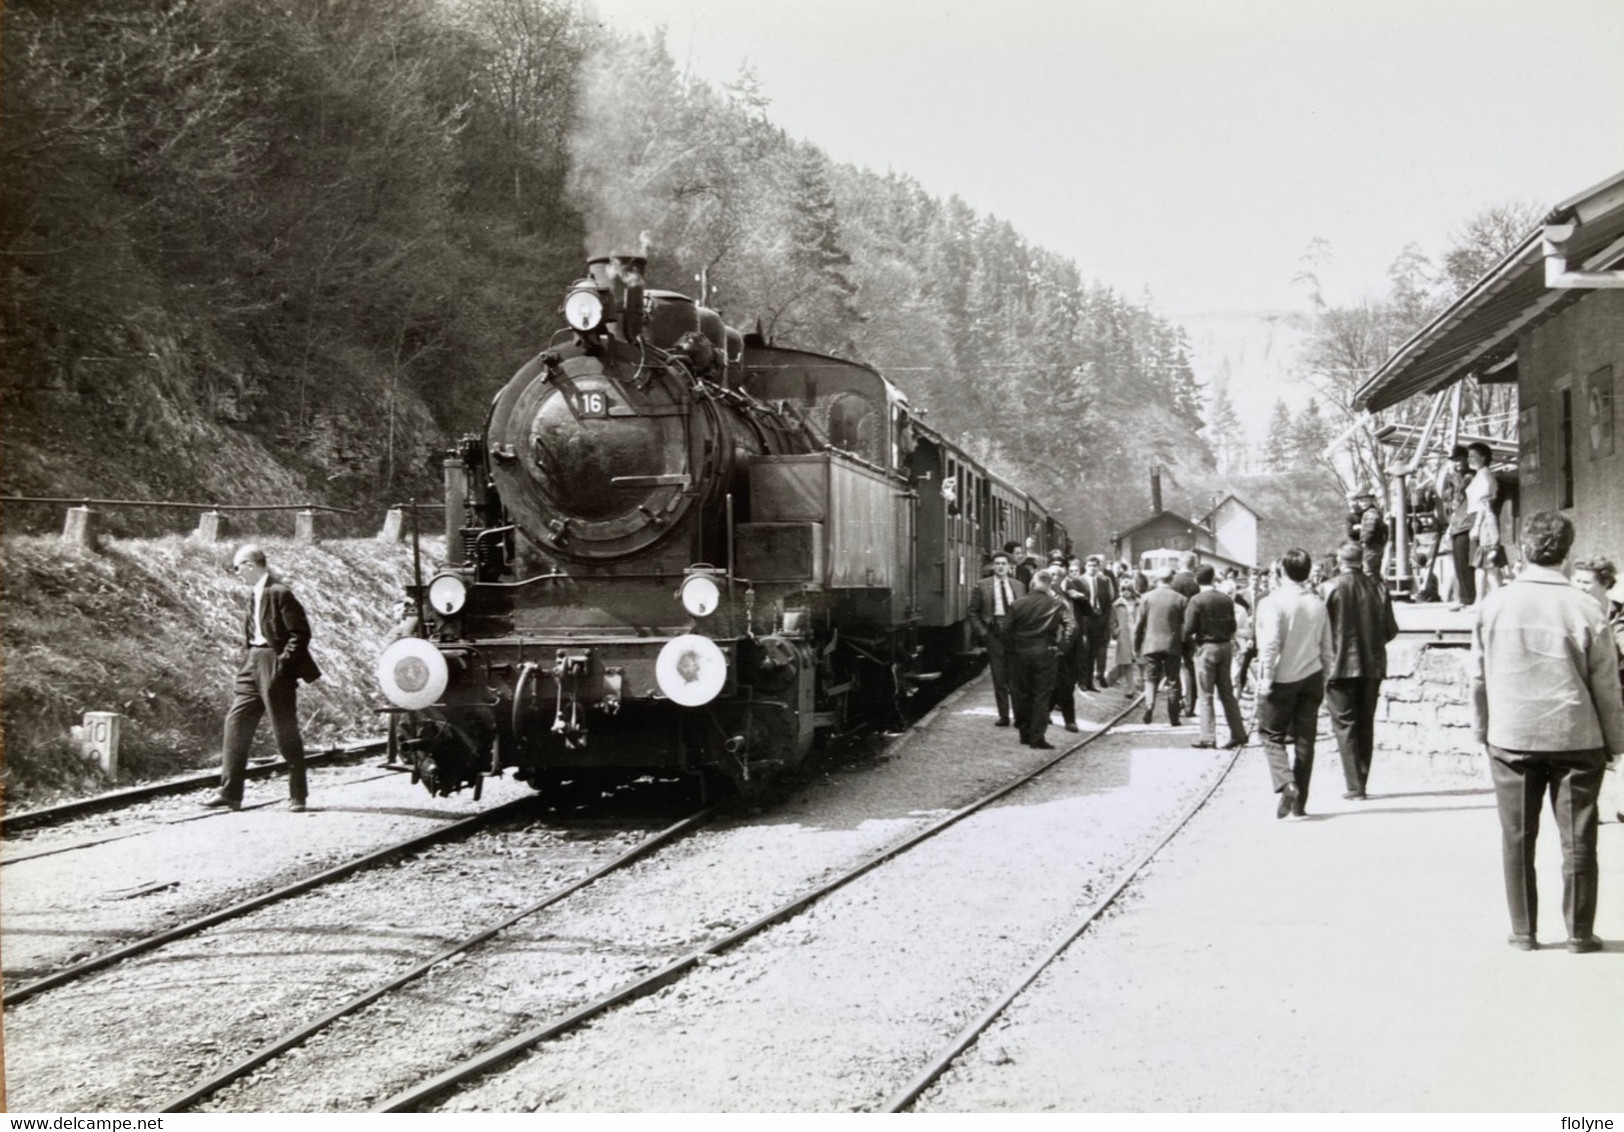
{"x":1026,"y":560}
{"x":990,"y":602}
{"x":1547,"y":708}
{"x":1452,"y":492}
{"x":1075,"y":664}
{"x":1209,"y":633}
{"x":1064,"y":695}
{"x":1158,"y":634}
{"x":1362,"y":623}
{"x":1093,"y":666}
{"x":1040,"y":626}
{"x":1294,"y":654}
{"x":277,"y":635}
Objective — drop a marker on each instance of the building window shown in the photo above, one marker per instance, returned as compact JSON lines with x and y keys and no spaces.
{"x":1565,"y":443}
{"x":1599,"y":412}
{"x":1528,"y":445}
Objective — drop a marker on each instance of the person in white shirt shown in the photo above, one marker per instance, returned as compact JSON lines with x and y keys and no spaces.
{"x":1295,"y":652}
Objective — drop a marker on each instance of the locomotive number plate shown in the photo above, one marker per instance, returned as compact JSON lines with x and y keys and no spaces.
{"x":592,"y":404}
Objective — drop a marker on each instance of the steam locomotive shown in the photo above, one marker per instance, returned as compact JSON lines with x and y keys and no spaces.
{"x":679,"y":548}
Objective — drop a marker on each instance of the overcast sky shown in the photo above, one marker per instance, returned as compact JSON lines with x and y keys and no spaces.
{"x":1194,"y":147}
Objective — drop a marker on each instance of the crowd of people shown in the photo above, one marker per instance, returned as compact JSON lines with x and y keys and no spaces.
{"x":1547,"y":666}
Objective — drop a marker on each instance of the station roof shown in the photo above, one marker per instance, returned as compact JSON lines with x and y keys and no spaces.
{"x":1480,"y":328}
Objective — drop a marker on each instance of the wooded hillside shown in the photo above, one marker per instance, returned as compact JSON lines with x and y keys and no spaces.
{"x":288,"y":251}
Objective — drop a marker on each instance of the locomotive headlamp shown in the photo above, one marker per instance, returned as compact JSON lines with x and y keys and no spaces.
{"x":412,"y":673}
{"x":700,"y":595}
{"x":583,"y":306}
{"x":691,"y":670}
{"x":448,"y":593}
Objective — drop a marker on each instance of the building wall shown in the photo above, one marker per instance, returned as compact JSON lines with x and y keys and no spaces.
{"x":1168,"y":530}
{"x":1236,"y":532}
{"x":1579,"y":352}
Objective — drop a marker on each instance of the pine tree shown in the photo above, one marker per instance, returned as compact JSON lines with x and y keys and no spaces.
{"x":1226,"y":435}
{"x":1279,"y":447}
{"x":1311,"y":435}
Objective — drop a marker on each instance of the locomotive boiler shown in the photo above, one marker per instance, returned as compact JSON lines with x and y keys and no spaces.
{"x":677,"y":548}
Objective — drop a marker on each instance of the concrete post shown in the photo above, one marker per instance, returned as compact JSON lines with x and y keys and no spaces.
{"x":101,"y":737}
{"x":211,"y":527}
{"x":80,"y":529}
{"x":304,"y":527}
{"x":394,"y":526}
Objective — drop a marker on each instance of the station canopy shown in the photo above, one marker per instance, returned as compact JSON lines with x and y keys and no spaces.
{"x":1478,"y":333}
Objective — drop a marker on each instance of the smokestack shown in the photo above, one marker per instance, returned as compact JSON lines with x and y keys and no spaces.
{"x":1155,"y":489}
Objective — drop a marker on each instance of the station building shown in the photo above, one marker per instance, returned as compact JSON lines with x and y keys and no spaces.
{"x":1549,"y":317}
{"x":1225,"y":536}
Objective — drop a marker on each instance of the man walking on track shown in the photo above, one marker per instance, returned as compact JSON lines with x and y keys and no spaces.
{"x":990,"y":602}
{"x":1294,"y":654}
{"x":1158,"y":634}
{"x":1362,"y":623}
{"x":1102,"y":595}
{"x":1040,"y":625}
{"x":278,"y":638}
{"x":1546,"y":704}
{"x":1209,"y":632}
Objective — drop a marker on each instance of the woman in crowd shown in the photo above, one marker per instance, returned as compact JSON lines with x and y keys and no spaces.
{"x":1483,"y":501}
{"x":1125,"y":609}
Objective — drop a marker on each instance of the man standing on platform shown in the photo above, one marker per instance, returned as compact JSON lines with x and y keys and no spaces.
{"x":1459,"y":532}
{"x":1294,"y":654}
{"x":278,"y":638}
{"x":1361,"y":625}
{"x":1209,"y":632}
{"x":1040,"y":625}
{"x":1158,"y":634}
{"x":1546,"y":704}
{"x":990,"y":602}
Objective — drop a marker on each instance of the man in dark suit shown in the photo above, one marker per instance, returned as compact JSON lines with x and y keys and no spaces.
{"x":1158,"y":635}
{"x":1362,"y":623}
{"x":990,"y":602}
{"x":1076,"y":661}
{"x":1102,"y":595}
{"x":277,"y":635}
{"x":1040,"y":627}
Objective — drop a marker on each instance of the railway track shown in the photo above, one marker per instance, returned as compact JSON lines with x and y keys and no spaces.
{"x":124,"y":832}
{"x":944,"y":1058}
{"x":454,"y":830}
{"x":395,"y":988}
{"x":236,"y":1072}
{"x":492,"y":1059}
{"x":12,"y":824}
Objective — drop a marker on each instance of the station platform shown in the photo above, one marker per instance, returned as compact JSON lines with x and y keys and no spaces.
{"x":1434,"y":617}
{"x":1354,"y":960}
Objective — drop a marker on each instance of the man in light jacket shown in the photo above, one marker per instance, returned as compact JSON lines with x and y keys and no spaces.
{"x":1294,"y":655}
{"x":1547,"y":709}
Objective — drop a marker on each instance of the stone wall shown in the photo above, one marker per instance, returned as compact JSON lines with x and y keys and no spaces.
{"x":1425,"y":710}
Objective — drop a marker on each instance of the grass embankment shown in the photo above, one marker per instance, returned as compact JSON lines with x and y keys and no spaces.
{"x":152,"y":628}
